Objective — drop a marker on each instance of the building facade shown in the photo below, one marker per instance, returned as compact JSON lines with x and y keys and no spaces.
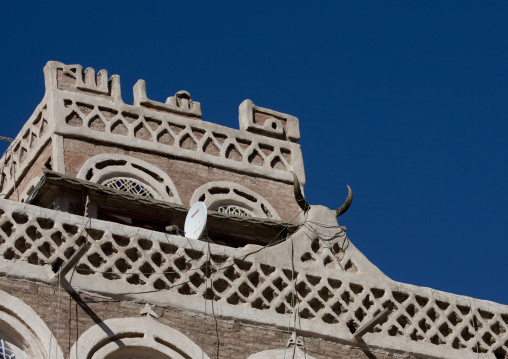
{"x":94,"y":263}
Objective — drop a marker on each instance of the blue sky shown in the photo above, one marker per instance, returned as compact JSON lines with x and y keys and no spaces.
{"x":405,"y":101}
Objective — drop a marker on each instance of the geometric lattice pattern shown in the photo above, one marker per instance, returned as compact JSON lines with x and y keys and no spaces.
{"x":129,"y":185}
{"x":177,"y":133}
{"x":234,"y":210}
{"x":4,"y":352}
{"x":121,"y":253}
{"x":32,"y":137}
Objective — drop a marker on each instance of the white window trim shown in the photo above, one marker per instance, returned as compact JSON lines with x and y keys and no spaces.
{"x":123,"y":328}
{"x":18,"y":320}
{"x":128,"y":170}
{"x":214,"y":201}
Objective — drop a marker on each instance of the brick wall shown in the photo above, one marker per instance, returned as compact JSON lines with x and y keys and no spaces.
{"x":187,"y":176}
{"x":67,"y":320}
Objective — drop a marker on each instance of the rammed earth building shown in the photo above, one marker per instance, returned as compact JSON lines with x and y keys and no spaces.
{"x":94,"y":263}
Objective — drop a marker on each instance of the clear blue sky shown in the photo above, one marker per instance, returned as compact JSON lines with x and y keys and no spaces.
{"x":405,"y":101}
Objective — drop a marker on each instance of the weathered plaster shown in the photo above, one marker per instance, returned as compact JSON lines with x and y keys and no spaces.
{"x":94,"y":342}
{"x":237,"y":195}
{"x":19,"y":321}
{"x":316,"y":277}
{"x":336,"y":288}
{"x":103,"y":167}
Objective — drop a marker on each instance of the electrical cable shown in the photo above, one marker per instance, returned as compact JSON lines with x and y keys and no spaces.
{"x":58,"y":315}
{"x":203,"y":335}
{"x":271,"y":243}
{"x":475,"y":331}
{"x":14,"y":175}
{"x":292,"y":295}
{"x":213,"y":308}
{"x":327,"y":245}
{"x":204,"y":319}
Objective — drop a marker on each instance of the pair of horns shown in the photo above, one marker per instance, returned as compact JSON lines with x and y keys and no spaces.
{"x":305,"y":206}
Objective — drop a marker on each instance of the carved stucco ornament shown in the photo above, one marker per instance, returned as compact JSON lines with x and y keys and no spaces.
{"x":295,"y":349}
{"x":147,"y":309}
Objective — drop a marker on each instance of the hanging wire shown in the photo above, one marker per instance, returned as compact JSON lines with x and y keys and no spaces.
{"x":213,"y":308}
{"x":271,"y":243}
{"x":52,"y":324}
{"x":327,"y":245}
{"x":475,"y":330}
{"x":58,"y":315}
{"x":292,"y":295}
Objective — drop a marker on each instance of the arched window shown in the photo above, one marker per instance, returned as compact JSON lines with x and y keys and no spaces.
{"x":7,"y":351}
{"x":234,"y":210}
{"x":232,"y":198}
{"x":131,"y":175}
{"x":130,"y":185}
{"x":135,"y":338}
{"x":291,"y":352}
{"x":23,"y":334}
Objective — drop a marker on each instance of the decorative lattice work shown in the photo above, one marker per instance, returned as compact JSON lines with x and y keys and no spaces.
{"x":5,"y":353}
{"x":232,"y":198}
{"x":325,"y":297}
{"x":234,"y":210}
{"x":25,"y":146}
{"x":177,"y":134}
{"x":129,"y":185}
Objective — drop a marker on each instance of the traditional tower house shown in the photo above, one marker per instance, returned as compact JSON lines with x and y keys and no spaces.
{"x":94,"y":264}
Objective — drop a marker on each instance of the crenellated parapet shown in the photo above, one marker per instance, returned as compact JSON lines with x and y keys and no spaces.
{"x":181,"y":103}
{"x":27,"y":146}
{"x":268,"y":122}
{"x":73,"y":78}
{"x":87,"y":105}
{"x":123,"y":174}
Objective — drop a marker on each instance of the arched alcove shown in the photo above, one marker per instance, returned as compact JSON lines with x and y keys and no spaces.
{"x":232,"y":198}
{"x":130,"y":174}
{"x":290,"y":353}
{"x":23,"y":332}
{"x":134,"y":338}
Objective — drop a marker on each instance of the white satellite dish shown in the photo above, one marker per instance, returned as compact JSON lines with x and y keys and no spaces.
{"x":195,"y":221}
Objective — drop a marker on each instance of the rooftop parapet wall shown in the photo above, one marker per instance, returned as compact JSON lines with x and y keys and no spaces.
{"x":88,"y":105}
{"x":35,"y":135}
{"x":336,"y":289}
{"x":172,"y":128}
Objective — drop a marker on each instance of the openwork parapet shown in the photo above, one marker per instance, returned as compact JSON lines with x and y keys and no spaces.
{"x":333,"y":289}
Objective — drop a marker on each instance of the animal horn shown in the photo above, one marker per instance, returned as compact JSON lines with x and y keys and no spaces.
{"x":347,"y":203}
{"x":300,"y":199}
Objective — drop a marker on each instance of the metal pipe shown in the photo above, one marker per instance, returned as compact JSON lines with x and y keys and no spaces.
{"x":6,"y":139}
{"x":372,"y":323}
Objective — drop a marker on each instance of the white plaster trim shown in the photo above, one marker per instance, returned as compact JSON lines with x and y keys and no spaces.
{"x":25,"y":324}
{"x":213,"y":201}
{"x":58,"y":161}
{"x":279,"y":257}
{"x":271,"y":126}
{"x":30,"y":140}
{"x":145,"y":347}
{"x":185,"y":106}
{"x":96,"y":337}
{"x":24,"y":196}
{"x":290,"y":353}
{"x":188,"y":124}
{"x":127,"y":170}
